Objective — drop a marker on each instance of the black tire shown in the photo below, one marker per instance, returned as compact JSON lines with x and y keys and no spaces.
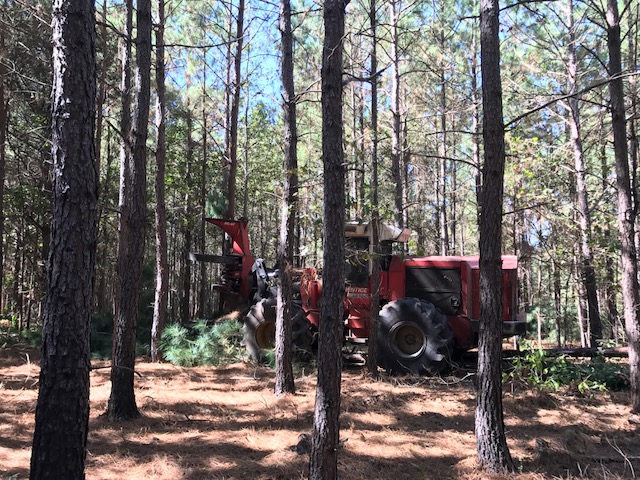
{"x":259,"y":329}
{"x":413,"y":337}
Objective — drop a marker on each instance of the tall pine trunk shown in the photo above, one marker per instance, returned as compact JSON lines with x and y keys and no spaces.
{"x":233,"y":118}
{"x":493,"y":453}
{"x":4,"y":116}
{"x":186,"y":229}
{"x":626,"y":213}
{"x":587,"y":274}
{"x":203,"y":304}
{"x":101,"y":281}
{"x":610,"y":282}
{"x":284,"y":370}
{"x":102,"y":87}
{"x":62,"y":411}
{"x":632,"y":120}
{"x":475,"y":124}
{"x":372,"y":353}
{"x":131,"y":239}
{"x":326,"y":430}
{"x":396,"y":117}
{"x":441,"y":186}
{"x":162,"y":272}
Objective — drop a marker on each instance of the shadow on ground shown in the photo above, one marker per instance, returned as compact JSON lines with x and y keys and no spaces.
{"x":208,"y":423}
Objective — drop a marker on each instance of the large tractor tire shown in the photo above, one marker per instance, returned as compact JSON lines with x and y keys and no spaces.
{"x":413,"y":337}
{"x":259,"y":328}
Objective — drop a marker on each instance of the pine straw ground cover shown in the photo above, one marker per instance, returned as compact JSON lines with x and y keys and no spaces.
{"x":225,"y":423}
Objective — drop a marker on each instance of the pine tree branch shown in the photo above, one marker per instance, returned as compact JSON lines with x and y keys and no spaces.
{"x":569,"y":95}
{"x":368,"y":79}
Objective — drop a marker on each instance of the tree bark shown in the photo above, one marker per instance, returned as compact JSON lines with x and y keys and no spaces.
{"x":133,"y":209}
{"x":396,"y":118}
{"x":102,"y":87}
{"x":493,"y":453}
{"x":609,"y":290}
{"x":162,"y":273}
{"x":557,"y":302}
{"x":185,"y":297}
{"x":581,"y":304}
{"x":62,"y":412}
{"x":284,"y":370}
{"x":587,"y":274}
{"x":442,"y":164}
{"x":626,"y":213}
{"x":372,"y":353}
{"x":235,"y":105}
{"x":125,"y":99}
{"x":475,"y":124}
{"x":202,"y":280}
{"x":124,"y":330}
{"x":4,"y":107}
{"x":326,"y":431}
{"x":632,"y":95}
{"x":99,"y":291}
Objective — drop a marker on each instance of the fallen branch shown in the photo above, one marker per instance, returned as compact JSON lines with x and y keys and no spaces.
{"x":617,"y":352}
{"x":626,"y":458}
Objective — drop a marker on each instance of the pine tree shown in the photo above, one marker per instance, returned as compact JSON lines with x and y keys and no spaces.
{"x":326,"y":432}
{"x":162,"y":273}
{"x":133,"y":210}
{"x":626,"y":213}
{"x":62,"y":412}
{"x":284,"y":371}
{"x":493,"y":452}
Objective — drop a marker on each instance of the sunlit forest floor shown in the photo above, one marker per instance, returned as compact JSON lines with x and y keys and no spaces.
{"x":225,"y":423}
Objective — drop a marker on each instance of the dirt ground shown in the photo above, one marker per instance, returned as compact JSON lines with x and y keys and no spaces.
{"x":225,"y":423}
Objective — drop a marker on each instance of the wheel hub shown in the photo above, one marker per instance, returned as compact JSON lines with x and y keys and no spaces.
{"x":266,"y":335}
{"x":407,"y":340}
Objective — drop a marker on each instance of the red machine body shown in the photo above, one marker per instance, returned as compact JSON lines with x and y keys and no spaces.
{"x":237,"y":278}
{"x":451,"y":284}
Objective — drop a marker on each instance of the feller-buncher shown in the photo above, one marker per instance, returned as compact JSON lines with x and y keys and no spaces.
{"x":430,"y":306}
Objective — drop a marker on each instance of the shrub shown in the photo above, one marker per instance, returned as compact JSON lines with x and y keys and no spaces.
{"x":302,"y":361}
{"x":201,"y":344}
{"x":10,"y":335}
{"x":537,"y":369}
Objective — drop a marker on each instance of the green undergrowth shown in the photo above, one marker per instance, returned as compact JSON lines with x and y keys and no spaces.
{"x":302,"y":361}
{"x":203,"y":343}
{"x":10,"y":336}
{"x":553,"y":373}
{"x":218,"y":343}
{"x":102,"y":335}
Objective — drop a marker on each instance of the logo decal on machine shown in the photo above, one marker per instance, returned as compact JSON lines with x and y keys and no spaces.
{"x":357,"y":292}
